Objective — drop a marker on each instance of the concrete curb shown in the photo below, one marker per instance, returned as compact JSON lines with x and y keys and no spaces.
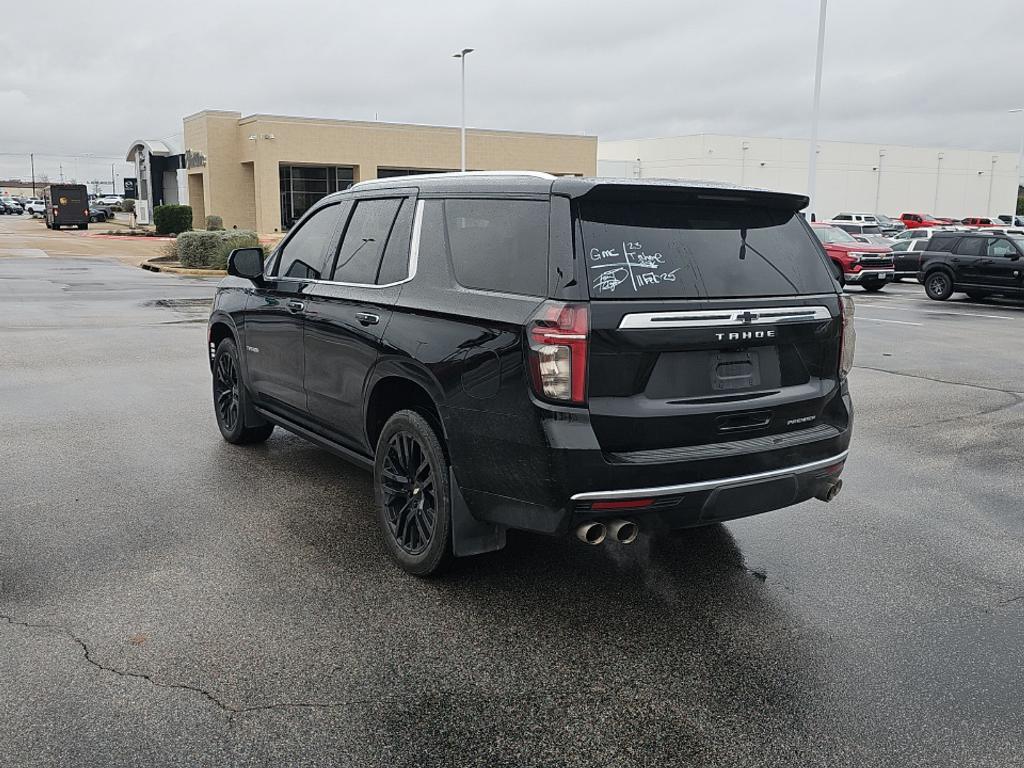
{"x":153,"y":266}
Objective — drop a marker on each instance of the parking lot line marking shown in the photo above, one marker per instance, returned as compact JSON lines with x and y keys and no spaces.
{"x":880,"y":320}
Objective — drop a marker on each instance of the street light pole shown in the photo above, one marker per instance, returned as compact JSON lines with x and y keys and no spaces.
{"x":812,"y":161}
{"x":1020,"y":167}
{"x":32,"y":163}
{"x":878,"y":180}
{"x":462,"y":55}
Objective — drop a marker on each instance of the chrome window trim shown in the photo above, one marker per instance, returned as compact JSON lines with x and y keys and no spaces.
{"x":705,"y":485}
{"x":709,"y":318}
{"x":414,"y":257}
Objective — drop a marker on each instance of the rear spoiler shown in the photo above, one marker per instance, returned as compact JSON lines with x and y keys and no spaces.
{"x":672,"y":190}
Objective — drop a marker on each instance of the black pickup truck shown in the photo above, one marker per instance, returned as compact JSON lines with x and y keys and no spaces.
{"x":980,"y":264}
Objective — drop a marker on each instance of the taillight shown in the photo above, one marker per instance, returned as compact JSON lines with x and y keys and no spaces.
{"x":558,"y":335}
{"x":848,"y":341}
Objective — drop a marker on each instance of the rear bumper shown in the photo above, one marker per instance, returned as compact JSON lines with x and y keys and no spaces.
{"x":870,"y":276}
{"x":552,"y":485}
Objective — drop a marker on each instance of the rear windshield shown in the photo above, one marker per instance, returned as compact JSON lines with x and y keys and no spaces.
{"x":680,"y":251}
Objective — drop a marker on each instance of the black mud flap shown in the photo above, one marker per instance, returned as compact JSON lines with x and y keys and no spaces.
{"x":469,"y":535}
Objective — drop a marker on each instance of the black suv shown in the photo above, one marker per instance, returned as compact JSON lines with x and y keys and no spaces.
{"x":516,"y":350}
{"x":980,"y":264}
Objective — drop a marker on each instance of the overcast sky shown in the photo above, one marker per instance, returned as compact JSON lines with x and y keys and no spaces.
{"x":81,"y":78}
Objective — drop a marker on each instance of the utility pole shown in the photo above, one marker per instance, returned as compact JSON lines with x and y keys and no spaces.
{"x":812,"y":160}
{"x":60,"y":169}
{"x":113,"y":181}
{"x":32,"y":162}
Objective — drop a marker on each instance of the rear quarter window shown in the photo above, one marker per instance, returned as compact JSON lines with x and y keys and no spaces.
{"x":499,"y":245}
{"x":673,"y":251}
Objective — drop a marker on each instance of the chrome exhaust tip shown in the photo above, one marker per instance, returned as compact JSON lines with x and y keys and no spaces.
{"x":623,"y":531}
{"x":830,"y":492}
{"x":591,"y":533}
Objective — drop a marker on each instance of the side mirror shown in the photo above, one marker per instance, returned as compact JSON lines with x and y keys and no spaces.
{"x":247,"y":263}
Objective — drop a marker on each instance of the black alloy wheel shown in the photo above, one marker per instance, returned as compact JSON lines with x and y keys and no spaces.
{"x":226,"y":394}
{"x":230,"y":397}
{"x":938,"y":286}
{"x":410,"y":495}
{"x":411,"y":483}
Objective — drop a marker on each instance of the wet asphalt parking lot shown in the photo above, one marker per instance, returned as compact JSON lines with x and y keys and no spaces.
{"x":169,"y":599}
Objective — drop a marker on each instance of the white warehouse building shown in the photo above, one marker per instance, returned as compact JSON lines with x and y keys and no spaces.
{"x":875,"y":178}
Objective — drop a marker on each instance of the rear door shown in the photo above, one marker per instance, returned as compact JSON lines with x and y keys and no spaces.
{"x":966,"y":259}
{"x":346,"y":315}
{"x":710,"y":322}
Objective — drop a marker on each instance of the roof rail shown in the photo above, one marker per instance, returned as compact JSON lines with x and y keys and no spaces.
{"x":461,"y":174}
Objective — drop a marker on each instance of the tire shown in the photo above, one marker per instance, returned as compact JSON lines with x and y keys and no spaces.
{"x":231,"y":398}
{"x":873,"y":287}
{"x":55,"y":226}
{"x":410,"y":482}
{"x":978,"y":295}
{"x":938,"y":285}
{"x":93,"y":219}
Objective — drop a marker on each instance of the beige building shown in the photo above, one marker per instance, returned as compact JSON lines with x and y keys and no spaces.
{"x":263,"y":171}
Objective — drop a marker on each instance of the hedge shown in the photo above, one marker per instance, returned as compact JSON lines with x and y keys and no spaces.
{"x":214,"y":223}
{"x":172,"y":219}
{"x":211,"y":249}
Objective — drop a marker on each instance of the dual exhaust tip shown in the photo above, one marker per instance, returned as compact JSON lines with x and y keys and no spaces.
{"x":594,"y":532}
{"x":830,"y":491}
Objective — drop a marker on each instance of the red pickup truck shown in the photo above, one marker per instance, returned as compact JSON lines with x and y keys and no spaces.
{"x":862,"y":264}
{"x":914,"y":220}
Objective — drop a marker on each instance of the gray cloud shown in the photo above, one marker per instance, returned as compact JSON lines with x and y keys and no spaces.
{"x":84,"y":78}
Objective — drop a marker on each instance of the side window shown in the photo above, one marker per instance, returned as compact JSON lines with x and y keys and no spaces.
{"x":903,"y":245}
{"x":843,"y":217}
{"x":499,"y":245}
{"x":969,"y":246}
{"x":305,"y":253}
{"x":365,"y":238}
{"x":395,"y":265}
{"x":1001,"y":247}
{"x":919,"y":245}
{"x":939,"y":243}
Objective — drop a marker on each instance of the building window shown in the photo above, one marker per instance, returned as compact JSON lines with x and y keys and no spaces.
{"x":303,"y":185}
{"x":390,"y":173}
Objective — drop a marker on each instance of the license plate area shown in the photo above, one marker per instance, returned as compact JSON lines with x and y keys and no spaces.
{"x":735,"y":370}
{"x":710,"y":372}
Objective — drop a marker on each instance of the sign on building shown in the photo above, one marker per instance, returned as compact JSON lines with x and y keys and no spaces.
{"x":131,"y":188}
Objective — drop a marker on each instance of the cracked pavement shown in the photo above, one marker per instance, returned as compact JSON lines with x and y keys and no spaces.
{"x":167,"y":599}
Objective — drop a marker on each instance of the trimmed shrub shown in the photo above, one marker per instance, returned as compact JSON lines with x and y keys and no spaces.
{"x":214,"y":223}
{"x":205,"y":249}
{"x":172,"y":219}
{"x":128,"y":205}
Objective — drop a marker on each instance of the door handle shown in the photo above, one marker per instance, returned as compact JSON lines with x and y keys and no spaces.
{"x":367,"y":318}
{"x":295,"y":306}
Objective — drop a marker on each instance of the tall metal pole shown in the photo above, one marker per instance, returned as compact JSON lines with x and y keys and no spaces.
{"x":113,"y":181}
{"x":878,"y":181}
{"x":462,"y":55}
{"x":32,"y":162}
{"x":1020,"y":169}
{"x":938,"y":180}
{"x":812,"y":161}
